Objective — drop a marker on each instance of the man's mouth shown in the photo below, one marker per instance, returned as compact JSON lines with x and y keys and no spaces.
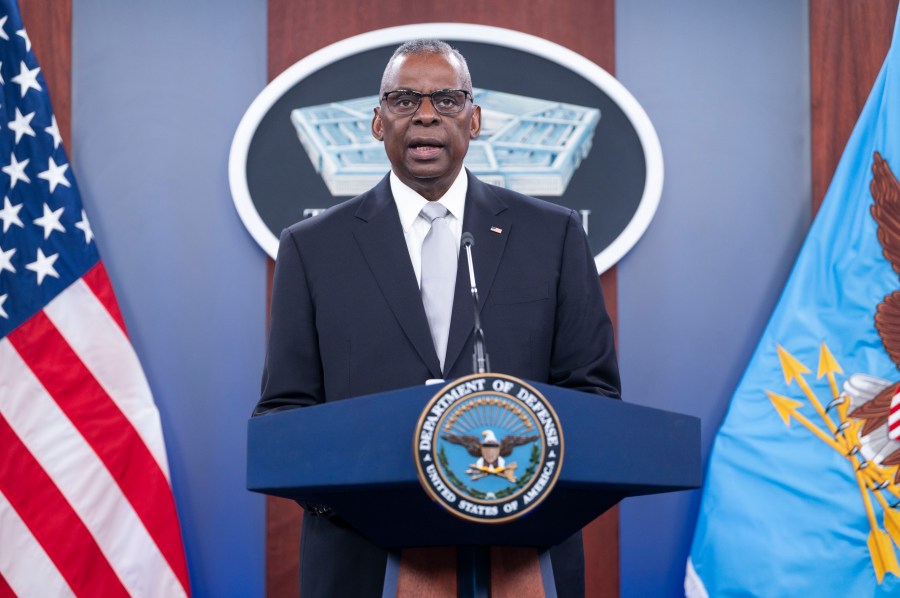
{"x":422,"y":150}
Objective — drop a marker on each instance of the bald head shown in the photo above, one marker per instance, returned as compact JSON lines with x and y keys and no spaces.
{"x":427,"y":46}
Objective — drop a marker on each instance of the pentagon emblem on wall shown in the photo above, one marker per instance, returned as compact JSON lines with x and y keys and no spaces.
{"x":488,"y":448}
{"x":555,"y":126}
{"x":529,"y":145}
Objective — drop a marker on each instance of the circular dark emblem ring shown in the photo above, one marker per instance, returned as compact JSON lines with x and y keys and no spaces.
{"x":488,"y":448}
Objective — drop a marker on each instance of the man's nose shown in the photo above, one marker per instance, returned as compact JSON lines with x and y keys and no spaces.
{"x":426,"y":114}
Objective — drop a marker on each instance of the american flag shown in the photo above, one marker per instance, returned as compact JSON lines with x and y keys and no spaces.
{"x":86,"y":505}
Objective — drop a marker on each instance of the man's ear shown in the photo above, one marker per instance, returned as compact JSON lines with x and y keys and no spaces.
{"x":475,"y":123}
{"x":377,"y":128}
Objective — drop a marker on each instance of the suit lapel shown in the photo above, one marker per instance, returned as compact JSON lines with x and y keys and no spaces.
{"x":485,"y":214}
{"x":380,"y":237}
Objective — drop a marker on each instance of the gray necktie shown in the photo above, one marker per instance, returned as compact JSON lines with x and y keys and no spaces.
{"x":439,"y":259}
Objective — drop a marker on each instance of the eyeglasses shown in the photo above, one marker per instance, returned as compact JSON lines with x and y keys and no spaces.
{"x":404,"y":102}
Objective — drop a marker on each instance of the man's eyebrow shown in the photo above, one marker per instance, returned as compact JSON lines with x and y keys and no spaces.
{"x":425,"y":93}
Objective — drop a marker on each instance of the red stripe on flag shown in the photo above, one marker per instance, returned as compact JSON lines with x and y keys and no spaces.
{"x":102,"y":424}
{"x":5,"y":590}
{"x":895,"y":407}
{"x":98,"y":281}
{"x":51,"y":520}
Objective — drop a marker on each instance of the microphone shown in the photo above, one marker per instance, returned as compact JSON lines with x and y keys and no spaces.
{"x":481,"y":363}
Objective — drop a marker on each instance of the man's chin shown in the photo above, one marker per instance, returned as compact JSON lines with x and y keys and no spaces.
{"x":421,"y":176}
{"x":431,"y":185}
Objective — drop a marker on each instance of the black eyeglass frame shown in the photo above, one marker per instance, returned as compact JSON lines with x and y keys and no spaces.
{"x":467,"y":96}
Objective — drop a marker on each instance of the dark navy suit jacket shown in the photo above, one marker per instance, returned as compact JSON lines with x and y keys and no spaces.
{"x":347,"y":320}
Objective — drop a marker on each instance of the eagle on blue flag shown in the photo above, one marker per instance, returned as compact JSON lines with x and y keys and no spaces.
{"x":802,"y":494}
{"x":876,"y":401}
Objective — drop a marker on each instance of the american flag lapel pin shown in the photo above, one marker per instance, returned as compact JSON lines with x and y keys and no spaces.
{"x":496,"y":229}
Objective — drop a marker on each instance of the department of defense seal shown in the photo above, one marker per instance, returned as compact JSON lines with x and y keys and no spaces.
{"x":488,"y":448}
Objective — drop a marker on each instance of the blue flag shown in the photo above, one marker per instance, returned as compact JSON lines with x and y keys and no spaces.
{"x":802,"y":490}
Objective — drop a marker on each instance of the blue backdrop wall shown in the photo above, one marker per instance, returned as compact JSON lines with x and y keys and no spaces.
{"x":158,"y":90}
{"x":727,"y":86}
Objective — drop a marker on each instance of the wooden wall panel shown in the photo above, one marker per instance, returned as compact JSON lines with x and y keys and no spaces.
{"x":49,"y":26}
{"x":298,"y":28}
{"x":848,"y":41}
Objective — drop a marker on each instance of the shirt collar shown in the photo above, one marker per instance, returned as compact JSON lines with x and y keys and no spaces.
{"x":409,"y":203}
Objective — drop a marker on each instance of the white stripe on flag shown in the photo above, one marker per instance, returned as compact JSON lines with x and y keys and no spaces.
{"x":894,"y":415}
{"x":83,"y":480}
{"x":108,"y":354}
{"x":23,"y":563}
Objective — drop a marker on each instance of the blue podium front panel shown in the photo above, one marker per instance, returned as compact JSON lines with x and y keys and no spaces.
{"x":357,"y":456}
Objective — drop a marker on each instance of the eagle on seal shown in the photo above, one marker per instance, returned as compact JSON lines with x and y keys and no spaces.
{"x":490,"y":452}
{"x":871,"y":398}
{"x":489,"y":449}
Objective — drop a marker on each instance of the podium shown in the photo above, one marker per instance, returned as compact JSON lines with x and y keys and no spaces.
{"x":357,"y":457}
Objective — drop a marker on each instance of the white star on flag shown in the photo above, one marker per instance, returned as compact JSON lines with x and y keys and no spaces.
{"x":24,"y":35}
{"x":85,"y":226}
{"x":10,"y":214}
{"x":22,"y":125}
{"x":6,"y":260}
{"x":16,"y":170}
{"x":50,"y":221}
{"x":27,"y":78}
{"x":43,"y":266}
{"x":55,"y":175}
{"x":3,"y":34}
{"x":3,"y":313}
{"x":53,"y":130}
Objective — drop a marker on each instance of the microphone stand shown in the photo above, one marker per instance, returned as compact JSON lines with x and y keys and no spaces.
{"x":481,"y":363}
{"x":474,"y":562}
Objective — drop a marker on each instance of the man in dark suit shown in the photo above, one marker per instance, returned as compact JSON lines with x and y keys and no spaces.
{"x":348,"y":316}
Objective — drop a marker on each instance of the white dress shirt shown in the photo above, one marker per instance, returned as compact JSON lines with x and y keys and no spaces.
{"x":415,"y":227}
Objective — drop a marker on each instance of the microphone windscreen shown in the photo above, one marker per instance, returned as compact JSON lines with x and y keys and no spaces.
{"x":467,"y":240}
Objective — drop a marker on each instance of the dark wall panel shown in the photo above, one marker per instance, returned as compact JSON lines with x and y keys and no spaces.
{"x":49,"y":25}
{"x":297,"y":29}
{"x":848,"y":42}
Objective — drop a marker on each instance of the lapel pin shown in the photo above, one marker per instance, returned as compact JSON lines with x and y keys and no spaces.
{"x":497,"y":230}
